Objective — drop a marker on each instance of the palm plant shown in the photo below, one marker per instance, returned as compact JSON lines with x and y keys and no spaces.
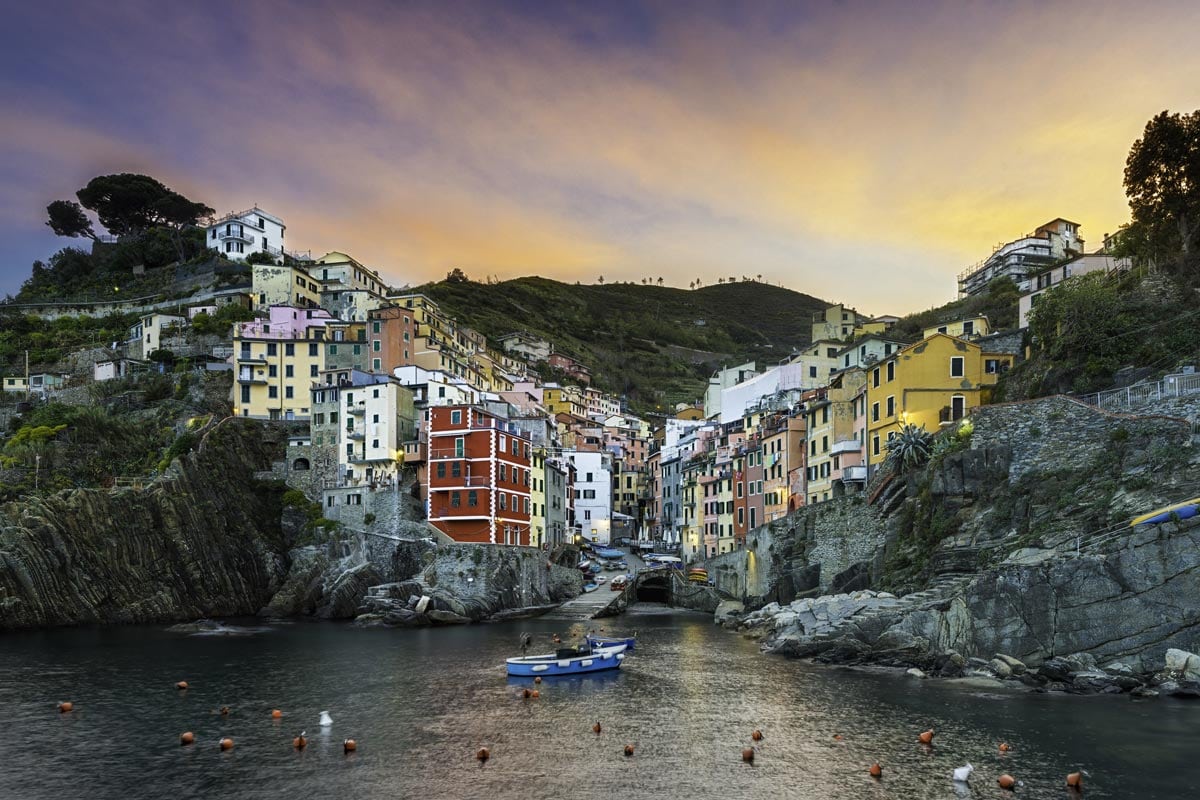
{"x":909,"y":449}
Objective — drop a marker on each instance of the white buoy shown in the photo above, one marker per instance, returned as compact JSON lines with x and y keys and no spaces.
{"x":963,"y":774}
{"x":326,"y":720}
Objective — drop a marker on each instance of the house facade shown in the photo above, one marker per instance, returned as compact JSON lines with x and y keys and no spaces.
{"x":276,"y":360}
{"x":241,"y":233}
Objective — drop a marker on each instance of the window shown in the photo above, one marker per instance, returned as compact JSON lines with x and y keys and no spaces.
{"x":812,"y":372}
{"x":589,"y":494}
{"x":503,"y":501}
{"x":455,"y":499}
{"x":459,"y":447}
{"x":991,"y":366}
{"x":313,"y":350}
{"x":875,"y":378}
{"x":376,"y":364}
{"x":375,"y":327}
{"x":289,"y":349}
{"x":272,"y":349}
{"x":312,"y":370}
{"x":503,"y":443}
{"x":831,"y":352}
{"x":875,"y":445}
{"x":375,"y":345}
{"x":968,"y":327}
{"x":942,"y":329}
{"x":245,"y":394}
{"x":455,"y":417}
{"x":287,"y":371}
{"x":272,"y":392}
{"x":456,"y":469}
{"x":272,"y":371}
{"x":956,"y":366}
{"x":891,"y":370}
{"x":441,"y":469}
{"x":958,"y":407}
{"x":874,"y":412}
{"x":333,"y":349}
{"x":502,"y":472}
{"x":891,"y":405}
{"x":287,"y":392}
{"x":824,"y":415}
{"x":472,"y":498}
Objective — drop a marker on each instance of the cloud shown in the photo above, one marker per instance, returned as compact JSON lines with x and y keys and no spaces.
{"x":856,"y":153}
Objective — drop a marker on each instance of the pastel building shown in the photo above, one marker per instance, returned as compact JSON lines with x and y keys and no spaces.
{"x":275,"y":362}
{"x":241,"y":233}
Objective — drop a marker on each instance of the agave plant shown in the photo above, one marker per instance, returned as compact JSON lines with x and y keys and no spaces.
{"x":910,"y":448}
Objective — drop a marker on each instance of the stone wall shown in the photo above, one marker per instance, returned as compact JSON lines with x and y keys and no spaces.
{"x":1061,"y":433}
{"x":806,"y":551}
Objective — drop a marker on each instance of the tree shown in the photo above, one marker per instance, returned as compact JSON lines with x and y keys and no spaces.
{"x":660,"y":281}
{"x":456,"y":275}
{"x":1162,"y":178}
{"x":176,"y":213}
{"x":67,"y":219}
{"x":128,"y":204}
{"x":600,"y":280}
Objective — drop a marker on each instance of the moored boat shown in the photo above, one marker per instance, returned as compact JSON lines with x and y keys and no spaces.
{"x":590,"y":587}
{"x":611,"y":641}
{"x":568,"y":661}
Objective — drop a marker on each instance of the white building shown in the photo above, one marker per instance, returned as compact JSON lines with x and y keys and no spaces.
{"x":436,"y":388}
{"x":1018,"y":259}
{"x":378,"y":420}
{"x":526,"y":345}
{"x":239,"y":234}
{"x":593,"y":494}
{"x":808,"y":370}
{"x":721,"y":380}
{"x":1080,"y":265}
{"x":867,"y":351}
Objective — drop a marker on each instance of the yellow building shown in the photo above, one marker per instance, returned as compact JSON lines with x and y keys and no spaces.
{"x":927,"y":384}
{"x":832,"y":443}
{"x":283,"y":286}
{"x":276,"y":360}
{"x":564,"y":400}
{"x":968,"y":328}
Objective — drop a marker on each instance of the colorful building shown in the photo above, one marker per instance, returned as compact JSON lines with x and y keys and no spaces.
{"x":275,"y":362}
{"x":477,"y":478}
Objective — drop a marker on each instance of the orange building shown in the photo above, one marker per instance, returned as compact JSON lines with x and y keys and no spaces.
{"x":477,"y":476}
{"x":390,"y":334}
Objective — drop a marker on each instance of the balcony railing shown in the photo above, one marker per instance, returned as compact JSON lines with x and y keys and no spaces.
{"x":236,"y":234}
{"x":444,"y":454}
{"x":854,"y":474}
{"x":357,"y":410}
{"x":354,"y":433}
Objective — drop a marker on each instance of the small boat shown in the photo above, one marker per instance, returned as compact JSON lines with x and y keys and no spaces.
{"x":619,"y":582}
{"x":1185,"y":510}
{"x":600,"y":579}
{"x":568,"y":661}
{"x":595,"y":642}
{"x":590,"y":587}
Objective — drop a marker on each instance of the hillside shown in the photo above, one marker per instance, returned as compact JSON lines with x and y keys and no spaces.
{"x":656,"y":345}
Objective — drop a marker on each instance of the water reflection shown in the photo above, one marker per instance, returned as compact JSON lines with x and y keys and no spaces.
{"x":420,"y":703}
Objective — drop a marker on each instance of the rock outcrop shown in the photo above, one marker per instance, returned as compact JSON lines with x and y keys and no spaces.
{"x":203,"y":540}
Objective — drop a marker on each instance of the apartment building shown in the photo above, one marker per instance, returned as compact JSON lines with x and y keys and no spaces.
{"x":275,"y":362}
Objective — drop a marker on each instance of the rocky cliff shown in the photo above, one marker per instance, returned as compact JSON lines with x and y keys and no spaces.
{"x":1018,"y":545}
{"x":201,"y":540}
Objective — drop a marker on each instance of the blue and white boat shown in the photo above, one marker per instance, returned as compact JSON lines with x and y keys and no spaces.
{"x":611,"y":641}
{"x":568,"y":661}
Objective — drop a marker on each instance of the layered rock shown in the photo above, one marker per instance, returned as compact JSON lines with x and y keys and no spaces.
{"x":202,"y":540}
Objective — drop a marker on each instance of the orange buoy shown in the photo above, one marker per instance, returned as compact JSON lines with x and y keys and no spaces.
{"x":181,"y":685}
{"x":227,"y":743}
{"x":1075,"y":780}
{"x":483,"y":755}
{"x":1004,"y":748}
{"x":65,"y":708}
{"x":756,"y":736}
{"x":224,"y":711}
{"x":1006,"y":781}
{"x":187,"y":738}
{"x":349,"y":746}
{"x":536,"y":694}
{"x":628,"y":749}
{"x":876,"y":770}
{"x":837,"y":737}
{"x":300,"y":742}
{"x":748,"y":755}
{"x":926,"y":737}
{"x":276,"y":713}
{"x":596,"y":728}
{"x":538,"y":679}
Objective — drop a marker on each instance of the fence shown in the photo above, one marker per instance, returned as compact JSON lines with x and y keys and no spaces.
{"x":1182,"y":385}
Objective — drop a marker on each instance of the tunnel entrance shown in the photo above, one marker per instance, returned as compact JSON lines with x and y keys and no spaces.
{"x":654,"y":590}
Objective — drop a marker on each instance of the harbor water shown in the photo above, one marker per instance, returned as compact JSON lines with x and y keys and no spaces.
{"x":420,"y":704}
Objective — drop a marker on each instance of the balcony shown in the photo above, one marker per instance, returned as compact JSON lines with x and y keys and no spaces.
{"x":236,"y":233}
{"x":849,"y":446}
{"x":357,"y":410}
{"x":355,"y":434}
{"x":248,"y":377}
{"x":854,"y":474}
{"x":446,"y":454}
{"x":244,"y":357}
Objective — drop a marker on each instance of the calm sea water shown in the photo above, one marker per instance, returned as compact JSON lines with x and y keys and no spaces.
{"x":420,"y":703}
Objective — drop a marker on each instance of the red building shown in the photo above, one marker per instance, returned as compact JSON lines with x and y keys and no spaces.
{"x":477,"y":476}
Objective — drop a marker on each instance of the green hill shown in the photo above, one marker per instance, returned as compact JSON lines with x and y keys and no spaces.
{"x":655,"y":345}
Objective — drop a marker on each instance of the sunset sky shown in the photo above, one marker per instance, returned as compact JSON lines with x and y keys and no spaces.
{"x":863,"y":153}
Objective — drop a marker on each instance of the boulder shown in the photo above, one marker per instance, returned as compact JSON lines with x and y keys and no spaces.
{"x":448,"y":618}
{"x":727,"y":611}
{"x":1016,"y":666}
{"x":856,"y":578}
{"x":1183,"y":664}
{"x":915,"y":673}
{"x":1091,"y":681}
{"x":1188,"y":689}
{"x":1057,"y":669}
{"x":1001,"y":668}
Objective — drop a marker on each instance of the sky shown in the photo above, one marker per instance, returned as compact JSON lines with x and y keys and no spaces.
{"x":863,"y":153}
